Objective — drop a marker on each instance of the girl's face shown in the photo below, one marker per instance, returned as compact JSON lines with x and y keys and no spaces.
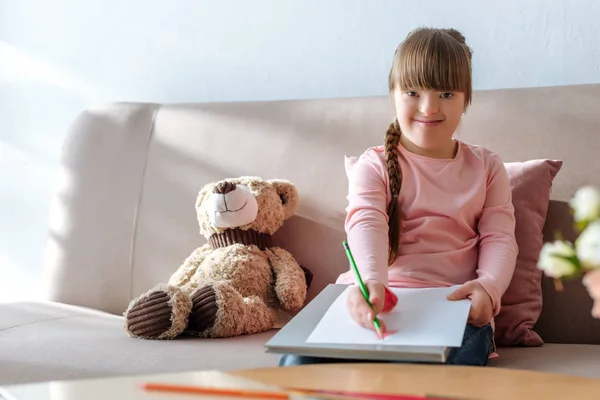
{"x":429,"y":118}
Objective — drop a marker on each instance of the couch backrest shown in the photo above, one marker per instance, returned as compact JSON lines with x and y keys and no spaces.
{"x":123,"y":216}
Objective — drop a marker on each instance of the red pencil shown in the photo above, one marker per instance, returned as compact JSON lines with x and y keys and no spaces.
{"x":239,"y":392}
{"x":283,"y":395}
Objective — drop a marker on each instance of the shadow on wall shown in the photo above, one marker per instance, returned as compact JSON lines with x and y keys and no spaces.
{"x":25,"y":68}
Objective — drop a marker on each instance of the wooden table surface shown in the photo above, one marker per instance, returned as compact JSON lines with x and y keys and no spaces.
{"x":451,"y":381}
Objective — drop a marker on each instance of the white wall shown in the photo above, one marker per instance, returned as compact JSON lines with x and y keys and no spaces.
{"x":58,"y":57}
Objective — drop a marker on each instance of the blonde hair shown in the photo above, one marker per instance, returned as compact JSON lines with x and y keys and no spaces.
{"x":428,"y":59}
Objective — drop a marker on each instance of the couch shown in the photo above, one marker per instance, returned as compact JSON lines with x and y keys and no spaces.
{"x":123,"y":219}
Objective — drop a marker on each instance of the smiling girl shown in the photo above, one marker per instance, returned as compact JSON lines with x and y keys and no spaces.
{"x":427,"y":209}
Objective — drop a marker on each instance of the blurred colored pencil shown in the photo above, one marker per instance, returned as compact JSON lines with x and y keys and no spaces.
{"x":289,"y":393}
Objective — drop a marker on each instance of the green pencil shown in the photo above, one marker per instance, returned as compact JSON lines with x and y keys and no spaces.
{"x":363,"y":288}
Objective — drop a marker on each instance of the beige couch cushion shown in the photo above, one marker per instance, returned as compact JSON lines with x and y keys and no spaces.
{"x":49,"y":341}
{"x":571,"y":359}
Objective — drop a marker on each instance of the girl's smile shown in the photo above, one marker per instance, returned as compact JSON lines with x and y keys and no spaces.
{"x":428,"y":122}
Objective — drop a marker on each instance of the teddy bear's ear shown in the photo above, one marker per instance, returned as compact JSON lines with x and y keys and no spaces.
{"x":206,"y":190}
{"x":288,"y":194}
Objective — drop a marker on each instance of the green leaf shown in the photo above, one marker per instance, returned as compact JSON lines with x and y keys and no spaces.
{"x":581,"y":225}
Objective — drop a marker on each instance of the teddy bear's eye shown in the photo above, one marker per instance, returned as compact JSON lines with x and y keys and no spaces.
{"x":282,"y":197}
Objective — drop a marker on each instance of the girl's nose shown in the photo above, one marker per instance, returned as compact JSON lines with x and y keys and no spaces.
{"x":428,"y":106}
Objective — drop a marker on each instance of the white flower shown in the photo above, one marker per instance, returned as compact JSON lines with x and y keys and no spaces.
{"x":588,"y":246}
{"x":586,"y":204}
{"x":556,"y":259}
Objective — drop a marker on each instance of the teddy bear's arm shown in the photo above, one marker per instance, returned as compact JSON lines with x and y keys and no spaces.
{"x":189,"y":266}
{"x":290,"y":282}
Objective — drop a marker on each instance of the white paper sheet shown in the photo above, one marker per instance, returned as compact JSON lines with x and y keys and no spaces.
{"x":422,"y":317}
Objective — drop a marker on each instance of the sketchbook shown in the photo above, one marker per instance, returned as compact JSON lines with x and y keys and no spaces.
{"x":423,"y":327}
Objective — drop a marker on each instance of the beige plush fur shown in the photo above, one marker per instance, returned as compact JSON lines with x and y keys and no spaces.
{"x":256,"y":315}
{"x":245,"y":285}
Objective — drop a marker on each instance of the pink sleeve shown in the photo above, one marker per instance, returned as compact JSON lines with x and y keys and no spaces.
{"x":497,"y":244}
{"x":366,"y":221}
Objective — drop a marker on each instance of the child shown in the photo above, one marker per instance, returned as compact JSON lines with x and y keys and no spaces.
{"x":427,"y":209}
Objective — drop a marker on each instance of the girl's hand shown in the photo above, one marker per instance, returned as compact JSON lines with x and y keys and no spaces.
{"x":359,"y":309}
{"x":482,"y":309}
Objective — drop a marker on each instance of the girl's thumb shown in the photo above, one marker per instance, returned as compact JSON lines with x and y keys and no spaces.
{"x":375,"y":297}
{"x":459,"y":293}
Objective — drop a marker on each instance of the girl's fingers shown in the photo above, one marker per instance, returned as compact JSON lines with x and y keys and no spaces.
{"x":360,"y":311}
{"x":358,"y":308}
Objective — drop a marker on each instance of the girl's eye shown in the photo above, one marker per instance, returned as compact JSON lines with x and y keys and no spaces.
{"x":447,"y":95}
{"x":411,"y":94}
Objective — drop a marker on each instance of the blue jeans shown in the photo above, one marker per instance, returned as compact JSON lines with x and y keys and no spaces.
{"x":476,"y":347}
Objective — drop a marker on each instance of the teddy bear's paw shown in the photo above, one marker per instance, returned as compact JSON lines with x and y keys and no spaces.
{"x":204,"y":309}
{"x":238,"y":315}
{"x":292,"y":298}
{"x":160,"y":313}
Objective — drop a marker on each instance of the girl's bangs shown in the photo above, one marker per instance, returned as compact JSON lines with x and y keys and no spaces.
{"x":433,"y":63}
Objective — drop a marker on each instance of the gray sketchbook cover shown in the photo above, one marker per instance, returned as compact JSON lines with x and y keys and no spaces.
{"x":291,"y":339}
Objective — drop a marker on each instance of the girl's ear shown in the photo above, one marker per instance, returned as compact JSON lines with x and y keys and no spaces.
{"x":287,"y":194}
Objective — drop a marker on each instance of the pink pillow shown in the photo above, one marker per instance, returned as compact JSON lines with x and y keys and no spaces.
{"x":530,"y":182}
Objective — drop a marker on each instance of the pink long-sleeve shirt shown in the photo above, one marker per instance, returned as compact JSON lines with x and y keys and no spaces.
{"x":457,"y":215}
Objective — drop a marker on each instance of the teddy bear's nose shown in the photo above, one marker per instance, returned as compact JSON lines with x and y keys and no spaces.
{"x":224,"y":187}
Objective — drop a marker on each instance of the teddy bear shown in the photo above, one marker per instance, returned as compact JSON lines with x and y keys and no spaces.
{"x":237,"y":282}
